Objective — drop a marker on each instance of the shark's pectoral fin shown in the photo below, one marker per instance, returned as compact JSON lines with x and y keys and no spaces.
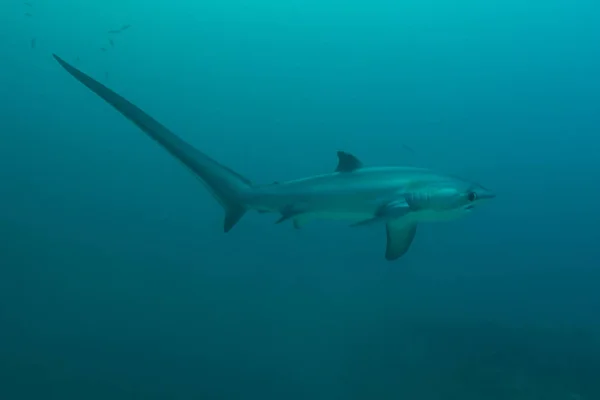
{"x":400,"y":236}
{"x":387,"y":212}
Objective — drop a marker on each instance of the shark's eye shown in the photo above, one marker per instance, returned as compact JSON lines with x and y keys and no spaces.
{"x":472,"y":196}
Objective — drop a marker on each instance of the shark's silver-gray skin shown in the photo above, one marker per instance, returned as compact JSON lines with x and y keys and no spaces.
{"x":398,"y":197}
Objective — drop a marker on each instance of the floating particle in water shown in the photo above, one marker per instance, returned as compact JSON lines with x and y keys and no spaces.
{"x":408,"y":148}
{"x":121,"y":29}
{"x":33,"y":43}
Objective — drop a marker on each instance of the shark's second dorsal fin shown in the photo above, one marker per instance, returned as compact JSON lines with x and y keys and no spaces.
{"x":347,"y":162}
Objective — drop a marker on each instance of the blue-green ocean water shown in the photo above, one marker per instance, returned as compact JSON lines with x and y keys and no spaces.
{"x":116,"y":281}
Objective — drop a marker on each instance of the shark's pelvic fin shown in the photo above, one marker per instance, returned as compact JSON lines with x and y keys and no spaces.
{"x":400,"y":236}
{"x":298,"y":216}
{"x":288,"y":213}
{"x":347,"y":162}
{"x":226,"y":185}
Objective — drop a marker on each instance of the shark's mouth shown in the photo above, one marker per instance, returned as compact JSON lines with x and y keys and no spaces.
{"x":469,"y":207}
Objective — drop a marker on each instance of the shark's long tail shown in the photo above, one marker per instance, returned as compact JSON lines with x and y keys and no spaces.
{"x":227,"y":186}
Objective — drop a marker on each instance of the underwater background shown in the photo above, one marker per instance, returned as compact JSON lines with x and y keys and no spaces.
{"x":117,"y":282}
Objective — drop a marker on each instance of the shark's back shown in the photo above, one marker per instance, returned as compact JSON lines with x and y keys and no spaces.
{"x":364,"y":180}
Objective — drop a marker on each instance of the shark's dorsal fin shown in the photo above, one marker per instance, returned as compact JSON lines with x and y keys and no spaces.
{"x":347,"y":162}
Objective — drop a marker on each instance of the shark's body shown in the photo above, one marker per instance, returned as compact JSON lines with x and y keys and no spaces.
{"x":399,"y":197}
{"x":353,"y":195}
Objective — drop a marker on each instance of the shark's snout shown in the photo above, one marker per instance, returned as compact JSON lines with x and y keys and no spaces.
{"x":482,"y":194}
{"x":487,"y":195}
